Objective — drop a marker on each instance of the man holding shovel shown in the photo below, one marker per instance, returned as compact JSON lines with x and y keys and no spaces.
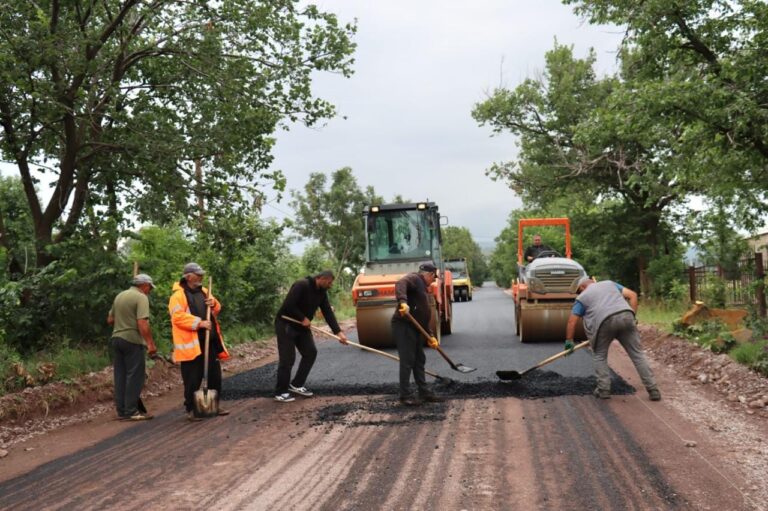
{"x":301,"y":303}
{"x":607,"y":316}
{"x":131,"y":337}
{"x":412,"y":297}
{"x":188,"y":307}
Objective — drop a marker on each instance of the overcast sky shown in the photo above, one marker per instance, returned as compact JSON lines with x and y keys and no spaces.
{"x":420,"y":67}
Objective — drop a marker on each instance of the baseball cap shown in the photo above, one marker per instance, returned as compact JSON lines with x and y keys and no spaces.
{"x":143,"y":278}
{"x":582,"y":281}
{"x":193,"y":268}
{"x":428,"y":267}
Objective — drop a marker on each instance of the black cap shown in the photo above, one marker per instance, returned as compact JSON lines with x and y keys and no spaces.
{"x":428,"y":267}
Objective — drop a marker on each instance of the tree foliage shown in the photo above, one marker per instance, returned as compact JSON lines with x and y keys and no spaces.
{"x":585,"y":147}
{"x":332,"y":214}
{"x":112,"y":101}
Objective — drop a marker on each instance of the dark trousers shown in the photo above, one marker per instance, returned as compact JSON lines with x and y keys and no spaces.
{"x":410,"y":348}
{"x":128,"y":374}
{"x":289,"y":339}
{"x":192,"y":374}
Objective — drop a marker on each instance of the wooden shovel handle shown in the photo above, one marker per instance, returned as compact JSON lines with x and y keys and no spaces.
{"x":355,"y":344}
{"x":207,"y":335}
{"x":560,"y":355}
{"x":428,"y":337}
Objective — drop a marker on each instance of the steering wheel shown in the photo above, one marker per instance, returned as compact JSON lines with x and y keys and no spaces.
{"x":547,"y":253}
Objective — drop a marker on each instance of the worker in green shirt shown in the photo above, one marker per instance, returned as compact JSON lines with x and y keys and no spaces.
{"x":131,"y":338}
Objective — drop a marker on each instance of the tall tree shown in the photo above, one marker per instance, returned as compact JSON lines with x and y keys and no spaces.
{"x":701,"y":64}
{"x":113,"y":100}
{"x":583,"y":141}
{"x":332,"y":214}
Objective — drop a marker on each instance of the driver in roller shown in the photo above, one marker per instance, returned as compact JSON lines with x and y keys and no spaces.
{"x":536,"y":249}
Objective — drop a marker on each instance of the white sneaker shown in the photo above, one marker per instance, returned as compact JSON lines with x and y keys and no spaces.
{"x":284,"y":398}
{"x":302,"y":391}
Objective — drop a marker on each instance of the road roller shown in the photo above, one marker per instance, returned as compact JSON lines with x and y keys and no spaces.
{"x":462,"y":284}
{"x":399,"y":238}
{"x":545,"y":288}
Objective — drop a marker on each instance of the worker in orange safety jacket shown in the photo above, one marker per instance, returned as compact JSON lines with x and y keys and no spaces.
{"x":188,"y":308}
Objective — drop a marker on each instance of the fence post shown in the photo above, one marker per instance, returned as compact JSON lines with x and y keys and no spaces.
{"x":692,"y":292}
{"x":760,"y":288}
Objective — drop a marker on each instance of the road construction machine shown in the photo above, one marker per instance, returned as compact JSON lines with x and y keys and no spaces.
{"x":399,"y":238}
{"x":545,"y":288}
{"x":462,"y":284}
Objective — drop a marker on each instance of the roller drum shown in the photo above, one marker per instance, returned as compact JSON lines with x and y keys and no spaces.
{"x":546,"y":321}
{"x":374,"y":325}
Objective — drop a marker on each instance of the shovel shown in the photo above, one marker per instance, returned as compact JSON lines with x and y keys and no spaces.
{"x":514,"y":375}
{"x":205,"y":400}
{"x":358,"y":345}
{"x":456,"y":367}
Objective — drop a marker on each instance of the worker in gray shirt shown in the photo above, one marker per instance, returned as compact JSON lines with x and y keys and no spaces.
{"x":607,"y":316}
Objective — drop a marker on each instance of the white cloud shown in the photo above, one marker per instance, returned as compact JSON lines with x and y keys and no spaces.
{"x":420,"y":68}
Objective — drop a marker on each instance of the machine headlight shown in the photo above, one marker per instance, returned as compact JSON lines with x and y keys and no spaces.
{"x":536,"y":285}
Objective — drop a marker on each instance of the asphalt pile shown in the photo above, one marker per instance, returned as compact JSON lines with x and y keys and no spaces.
{"x":260,"y":382}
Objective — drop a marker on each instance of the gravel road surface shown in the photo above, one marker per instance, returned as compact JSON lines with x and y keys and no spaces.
{"x":541,"y":443}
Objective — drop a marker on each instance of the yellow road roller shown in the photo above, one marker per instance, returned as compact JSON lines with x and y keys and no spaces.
{"x":399,"y":238}
{"x":545,"y":288}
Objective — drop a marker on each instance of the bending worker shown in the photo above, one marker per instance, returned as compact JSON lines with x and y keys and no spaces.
{"x":412,"y":296}
{"x":301,"y":303}
{"x":607,"y":316}
{"x":188,"y":307}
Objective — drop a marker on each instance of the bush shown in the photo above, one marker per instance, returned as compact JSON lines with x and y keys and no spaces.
{"x":749,"y":353}
{"x":9,"y":358}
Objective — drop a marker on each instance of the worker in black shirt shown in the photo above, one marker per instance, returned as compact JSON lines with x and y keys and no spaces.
{"x":534,"y":250}
{"x":412,"y":293}
{"x":303,"y":299}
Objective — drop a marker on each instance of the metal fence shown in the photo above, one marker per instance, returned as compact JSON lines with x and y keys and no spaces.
{"x":740,"y":286}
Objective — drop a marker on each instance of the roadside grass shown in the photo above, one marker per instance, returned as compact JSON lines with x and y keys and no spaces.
{"x":661,"y":314}
{"x":69,"y":362}
{"x":712,"y":335}
{"x":64,"y":364}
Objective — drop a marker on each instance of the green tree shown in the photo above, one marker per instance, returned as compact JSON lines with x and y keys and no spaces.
{"x":16,"y":240}
{"x":332,"y":214}
{"x":582,"y":142}
{"x":701,"y":65}
{"x":112,"y":101}
{"x":458,"y":242}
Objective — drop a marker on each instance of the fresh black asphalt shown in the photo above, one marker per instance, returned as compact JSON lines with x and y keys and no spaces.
{"x":483,"y":337}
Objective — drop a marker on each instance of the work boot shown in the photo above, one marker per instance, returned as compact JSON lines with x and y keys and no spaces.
{"x":431,"y":398}
{"x":602,"y":394}
{"x":191,"y":417}
{"x":410,"y":401}
{"x":654,"y":394}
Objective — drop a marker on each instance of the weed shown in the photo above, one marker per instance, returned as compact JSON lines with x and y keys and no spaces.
{"x":660,"y":313}
{"x":749,"y":353}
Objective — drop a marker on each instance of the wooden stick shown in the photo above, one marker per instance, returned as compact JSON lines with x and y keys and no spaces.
{"x":557,"y":355}
{"x":356,"y":345}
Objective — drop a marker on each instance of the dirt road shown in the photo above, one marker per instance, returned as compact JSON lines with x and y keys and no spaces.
{"x":544,"y":443}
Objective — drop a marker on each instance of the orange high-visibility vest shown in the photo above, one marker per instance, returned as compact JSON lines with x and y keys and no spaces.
{"x":186,"y":344}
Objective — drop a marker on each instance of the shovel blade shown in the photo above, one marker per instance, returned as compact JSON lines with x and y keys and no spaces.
{"x":206,"y":403}
{"x":508,"y":375}
{"x":465,"y":369}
